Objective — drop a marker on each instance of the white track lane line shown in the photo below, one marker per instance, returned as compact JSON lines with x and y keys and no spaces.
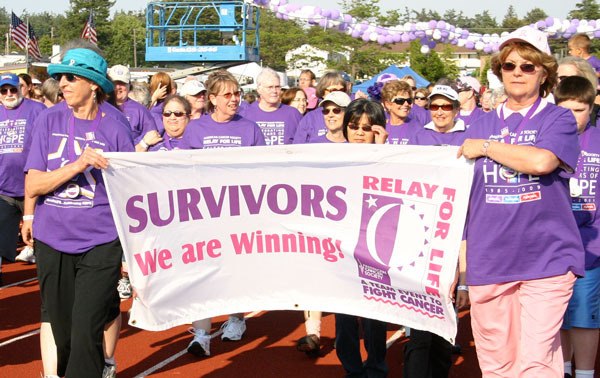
{"x":24,"y":336}
{"x":18,"y":283}
{"x":164,"y":363}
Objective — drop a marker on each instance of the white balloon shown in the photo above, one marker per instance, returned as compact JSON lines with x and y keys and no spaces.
{"x":429,"y":32}
{"x":425,"y":49}
{"x":373,"y":36}
{"x":437,"y":34}
{"x":461,"y":42}
{"x":479,"y":45}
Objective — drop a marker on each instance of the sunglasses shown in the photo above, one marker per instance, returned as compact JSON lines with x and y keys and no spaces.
{"x":168,"y":113}
{"x":401,"y":101}
{"x":420,"y":98}
{"x":229,"y":95}
{"x":525,"y":67}
{"x":327,"y":111}
{"x":12,"y":90}
{"x":69,"y":76}
{"x":445,"y":107}
{"x":366,"y":129}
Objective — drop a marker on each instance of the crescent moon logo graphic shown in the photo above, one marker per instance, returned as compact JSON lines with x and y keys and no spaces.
{"x":372,"y":231}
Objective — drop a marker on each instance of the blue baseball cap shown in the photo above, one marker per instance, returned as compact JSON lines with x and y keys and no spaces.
{"x":85,"y":63}
{"x":9,"y":79}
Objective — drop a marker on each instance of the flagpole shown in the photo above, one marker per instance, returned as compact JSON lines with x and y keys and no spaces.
{"x":27,"y":48}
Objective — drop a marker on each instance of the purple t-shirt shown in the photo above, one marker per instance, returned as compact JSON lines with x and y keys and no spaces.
{"x":402,"y":134}
{"x":278,"y":126}
{"x":311,"y":126}
{"x":421,"y":115}
{"x":519,"y":227}
{"x":427,"y":136}
{"x":472,"y":117}
{"x":156,"y":112}
{"x":167,"y":144}
{"x":75,"y":217}
{"x":15,"y":137}
{"x":595,"y":62}
{"x":585,"y":195}
{"x":317,"y":139}
{"x":208,"y":133}
{"x":139,"y":118}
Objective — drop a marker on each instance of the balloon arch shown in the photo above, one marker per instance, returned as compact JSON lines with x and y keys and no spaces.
{"x":427,"y":33}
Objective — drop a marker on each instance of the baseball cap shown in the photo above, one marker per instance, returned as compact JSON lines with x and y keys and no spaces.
{"x":467,"y":83}
{"x":341,"y":99}
{"x":384,"y":78}
{"x":444,"y":90}
{"x":533,"y":36}
{"x":119,"y":73}
{"x":192,"y":87}
{"x":9,"y":79}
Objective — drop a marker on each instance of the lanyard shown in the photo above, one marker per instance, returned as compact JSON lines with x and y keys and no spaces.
{"x":523,"y":122}
{"x":91,"y":133}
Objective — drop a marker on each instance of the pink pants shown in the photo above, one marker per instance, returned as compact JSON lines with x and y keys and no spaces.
{"x":516,"y":326}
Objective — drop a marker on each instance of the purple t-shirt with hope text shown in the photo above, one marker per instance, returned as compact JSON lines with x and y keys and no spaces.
{"x":519,"y":226}
{"x":208,"y":133}
{"x":585,"y":195}
{"x":167,"y":144}
{"x":278,"y":126}
{"x":15,"y":137}
{"x":76,"y":216}
{"x":139,"y":118}
{"x":472,"y":117}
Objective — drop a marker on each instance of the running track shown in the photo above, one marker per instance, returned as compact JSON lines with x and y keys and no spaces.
{"x":267,"y":349}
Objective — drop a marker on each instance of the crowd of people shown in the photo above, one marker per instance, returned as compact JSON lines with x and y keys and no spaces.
{"x":529,"y":263}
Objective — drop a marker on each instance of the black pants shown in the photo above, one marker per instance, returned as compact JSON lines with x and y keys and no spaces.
{"x":78,"y":295}
{"x":347,"y":346}
{"x":11,"y":211}
{"x":426,"y":355}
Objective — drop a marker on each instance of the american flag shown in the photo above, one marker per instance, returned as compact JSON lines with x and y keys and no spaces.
{"x":18,"y":33}
{"x":89,"y":30}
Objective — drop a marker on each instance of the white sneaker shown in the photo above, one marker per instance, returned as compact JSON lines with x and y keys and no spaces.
{"x":233,"y":329}
{"x":200,"y":345}
{"x":124,"y":288}
{"x":110,"y":371}
{"x":26,"y":255}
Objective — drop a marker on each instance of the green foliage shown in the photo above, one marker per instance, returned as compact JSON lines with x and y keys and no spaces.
{"x":120,"y":49}
{"x":430,"y":66}
{"x":511,"y":19}
{"x":586,"y":10}
{"x":277,"y":37}
{"x":362,"y":10}
{"x":535,"y":15}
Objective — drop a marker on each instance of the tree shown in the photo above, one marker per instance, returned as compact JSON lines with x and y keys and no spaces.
{"x":455,"y":18}
{"x":511,"y":19}
{"x":277,"y":37}
{"x":362,"y":10}
{"x":586,"y":10}
{"x":535,"y":15}
{"x":483,"y":23}
{"x":79,"y":13}
{"x":430,"y":66}
{"x":120,"y":47}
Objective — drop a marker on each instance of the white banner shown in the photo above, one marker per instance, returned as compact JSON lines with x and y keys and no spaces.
{"x":369,"y":230}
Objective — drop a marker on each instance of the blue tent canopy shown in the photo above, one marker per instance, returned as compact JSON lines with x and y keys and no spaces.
{"x":393,"y":69}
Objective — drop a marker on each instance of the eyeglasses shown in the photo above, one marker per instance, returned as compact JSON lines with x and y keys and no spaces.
{"x":525,"y":67}
{"x":69,"y":76}
{"x":366,"y":129}
{"x":445,"y":107}
{"x":402,"y":100}
{"x":335,"y":89}
{"x":12,"y":90}
{"x":228,"y":95}
{"x":420,"y":98}
{"x":327,"y":111}
{"x":168,"y":113}
{"x":413,"y":88}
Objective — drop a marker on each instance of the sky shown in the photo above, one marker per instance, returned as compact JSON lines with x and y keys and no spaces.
{"x":554,"y":8}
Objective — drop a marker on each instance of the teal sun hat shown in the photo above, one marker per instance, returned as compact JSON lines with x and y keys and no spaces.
{"x":85,"y":63}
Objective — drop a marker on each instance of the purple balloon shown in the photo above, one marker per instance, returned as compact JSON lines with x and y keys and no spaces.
{"x":364,"y":25}
{"x":347,"y":18}
{"x":470,"y":45}
{"x":326,"y":13}
{"x":405,"y":37}
{"x":445,"y":33}
{"x":381,"y":39}
{"x":366,"y":36}
{"x":424,"y":41}
{"x":571,"y":30}
{"x":396,"y":37}
{"x":293,"y":7}
{"x":413,"y":27}
{"x":279,"y":15}
{"x":432,"y":24}
{"x":549,"y":21}
{"x":317,"y":10}
{"x":441,"y":25}
{"x":420,"y":34}
{"x":567,"y":35}
{"x":335,"y":14}
{"x":597,"y":34}
{"x":452,"y":28}
{"x":487,"y":49}
{"x":540,"y":25}
{"x":592,"y":23}
{"x":389,"y":38}
{"x":431,"y":44}
{"x":412,"y":36}
{"x":575,"y":22}
{"x":322,"y":22}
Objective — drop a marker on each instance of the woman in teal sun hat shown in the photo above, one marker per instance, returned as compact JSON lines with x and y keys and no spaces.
{"x":76,"y":243}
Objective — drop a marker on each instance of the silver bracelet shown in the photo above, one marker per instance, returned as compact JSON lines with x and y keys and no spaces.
{"x":27,"y":217}
{"x":144,"y":144}
{"x":462,"y":288}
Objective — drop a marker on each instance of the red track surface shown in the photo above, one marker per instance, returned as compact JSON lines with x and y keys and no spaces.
{"x":267,"y":349}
